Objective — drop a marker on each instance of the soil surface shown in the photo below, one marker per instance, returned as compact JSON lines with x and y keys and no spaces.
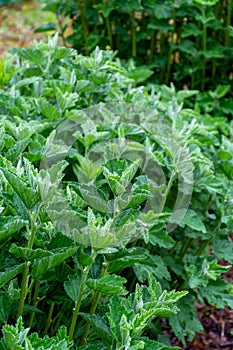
{"x":217,"y":324}
{"x":18,"y":22}
{"x":17,"y":25}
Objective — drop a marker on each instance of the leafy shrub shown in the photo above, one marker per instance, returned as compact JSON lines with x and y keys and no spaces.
{"x":188,"y":42}
{"x":108,"y":276}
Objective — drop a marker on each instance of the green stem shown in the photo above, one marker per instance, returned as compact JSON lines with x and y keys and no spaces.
{"x":82,"y":8}
{"x":61,"y":33}
{"x":152,"y":45}
{"x":228,"y":23}
{"x":49,"y":318}
{"x":78,"y":303}
{"x":58,"y":317}
{"x":35,"y":302}
{"x":108,"y":25}
{"x":169,"y":64}
{"x":93,"y":308}
{"x":160,"y":41}
{"x":202,"y":248}
{"x":171,"y":251}
{"x":185,"y":247}
{"x":204,"y":39}
{"x":166,"y":192}
{"x":24,"y":285}
{"x":31,"y":236}
{"x":193,"y":76}
{"x":95,"y":302}
{"x":132,"y":284}
{"x":133,"y":33}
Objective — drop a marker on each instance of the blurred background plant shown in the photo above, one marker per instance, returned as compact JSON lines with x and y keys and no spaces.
{"x":187,"y":42}
{"x":18,"y":20}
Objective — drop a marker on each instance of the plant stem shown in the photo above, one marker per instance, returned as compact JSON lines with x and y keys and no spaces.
{"x":202,"y":248}
{"x":59,"y":316}
{"x":24,"y":284}
{"x":95,"y":302}
{"x":133,"y":33}
{"x":173,"y":33}
{"x":93,"y":308}
{"x":185,"y":247}
{"x":108,"y":26}
{"x":35,"y":302}
{"x":49,"y":318}
{"x":152,"y":45}
{"x":82,"y":8}
{"x":160,"y":39}
{"x":78,"y":302}
{"x":61,"y":33}
{"x":204,"y":38}
{"x":166,"y":193}
{"x":23,"y":293}
{"x":228,"y":23}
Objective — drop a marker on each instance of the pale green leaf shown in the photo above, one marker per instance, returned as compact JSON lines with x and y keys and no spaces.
{"x":73,"y":286}
{"x":109,"y":284}
{"x":41,"y":266}
{"x":10,"y":273}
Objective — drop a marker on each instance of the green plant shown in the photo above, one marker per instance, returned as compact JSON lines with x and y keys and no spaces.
{"x":98,"y":230}
{"x":187,"y":42}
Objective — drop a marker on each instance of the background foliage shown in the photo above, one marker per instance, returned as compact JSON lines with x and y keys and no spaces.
{"x":55,"y":290}
{"x":188,"y":42}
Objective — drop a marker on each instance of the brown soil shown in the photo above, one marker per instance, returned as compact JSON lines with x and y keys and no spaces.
{"x":217,"y":324}
{"x":18,"y":22}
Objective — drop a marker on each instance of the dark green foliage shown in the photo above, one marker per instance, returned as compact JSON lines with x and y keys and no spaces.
{"x":188,"y":42}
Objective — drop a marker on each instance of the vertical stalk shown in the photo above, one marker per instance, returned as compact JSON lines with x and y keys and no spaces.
{"x":133,"y":34}
{"x":202,"y":248}
{"x":61,"y":33}
{"x":93,"y":308}
{"x":95,"y":302}
{"x":24,"y":284}
{"x":152,"y":45}
{"x":78,"y":303}
{"x":185,"y":247}
{"x":35,"y":302}
{"x":161,"y":44}
{"x":82,"y":8}
{"x":228,"y":23}
{"x":166,"y":192}
{"x":108,"y":25}
{"x":169,"y":64}
{"x":214,"y":60}
{"x":49,"y":318}
{"x":193,"y":76}
{"x":204,"y":39}
{"x":56,"y":320}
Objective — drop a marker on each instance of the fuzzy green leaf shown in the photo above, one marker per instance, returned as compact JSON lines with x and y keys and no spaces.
{"x":41,"y":266}
{"x":73,"y":286}
{"x":10,"y":273}
{"x":28,"y":195}
{"x":28,"y":254}
{"x":109,"y":284}
{"x":185,"y":322}
{"x":9,"y":225}
{"x":193,"y":220}
{"x":99,"y":326}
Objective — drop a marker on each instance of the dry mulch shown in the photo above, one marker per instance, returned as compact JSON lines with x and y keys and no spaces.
{"x":217,"y":324}
{"x":18,"y":22}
